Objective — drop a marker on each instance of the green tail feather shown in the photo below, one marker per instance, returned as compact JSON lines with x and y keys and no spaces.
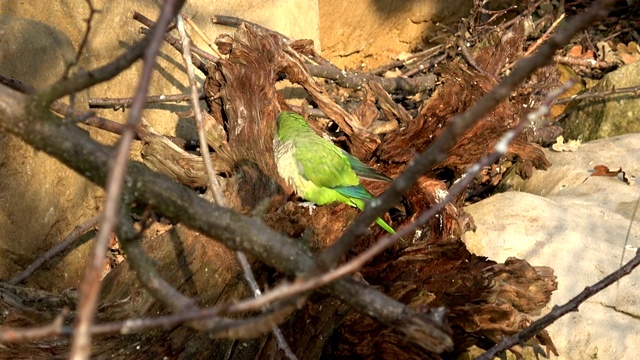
{"x":357,"y":202}
{"x":385,"y":226}
{"x":388,"y":228}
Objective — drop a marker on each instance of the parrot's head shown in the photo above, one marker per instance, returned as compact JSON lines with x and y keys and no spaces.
{"x":291,"y":125}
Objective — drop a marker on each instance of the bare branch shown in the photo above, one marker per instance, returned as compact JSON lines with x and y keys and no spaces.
{"x":119,"y":103}
{"x":353,"y":80}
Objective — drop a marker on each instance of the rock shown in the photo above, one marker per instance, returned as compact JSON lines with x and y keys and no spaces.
{"x":376,"y":32}
{"x":609,"y":116}
{"x":576,"y":224}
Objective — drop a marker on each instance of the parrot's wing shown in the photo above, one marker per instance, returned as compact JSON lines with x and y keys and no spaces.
{"x":358,"y":192}
{"x":363,"y":170}
{"x":355,"y":195}
{"x":324,"y":164}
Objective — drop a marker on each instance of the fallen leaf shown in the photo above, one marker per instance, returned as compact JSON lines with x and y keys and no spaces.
{"x":629,"y":53}
{"x":601,"y":170}
{"x":560,"y":145}
{"x":575,"y":51}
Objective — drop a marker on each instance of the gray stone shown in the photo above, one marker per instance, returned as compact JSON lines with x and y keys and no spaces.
{"x":577,"y":224}
{"x":609,"y":116}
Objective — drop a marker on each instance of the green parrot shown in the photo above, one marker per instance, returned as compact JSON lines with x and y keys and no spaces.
{"x":318,"y":170}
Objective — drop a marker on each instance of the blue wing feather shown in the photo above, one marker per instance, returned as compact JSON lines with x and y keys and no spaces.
{"x":363,"y":170}
{"x":358,"y":192}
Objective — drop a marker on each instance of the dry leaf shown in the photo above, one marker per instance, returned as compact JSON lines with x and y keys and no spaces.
{"x":575,"y":51}
{"x":560,"y":145}
{"x":629,"y":53}
{"x":601,"y":170}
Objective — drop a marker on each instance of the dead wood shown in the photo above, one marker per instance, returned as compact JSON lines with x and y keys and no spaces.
{"x":483,"y":299}
{"x":462,"y":87}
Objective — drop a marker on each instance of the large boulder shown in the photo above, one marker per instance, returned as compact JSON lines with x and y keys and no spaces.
{"x":575,"y":223}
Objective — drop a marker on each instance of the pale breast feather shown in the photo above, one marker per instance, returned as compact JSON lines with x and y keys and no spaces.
{"x":288,"y":167}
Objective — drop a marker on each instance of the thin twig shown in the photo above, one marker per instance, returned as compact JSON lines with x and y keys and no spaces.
{"x":90,"y":286}
{"x":119,"y":103}
{"x":255,"y":290}
{"x":544,"y":37}
{"x":634,"y":90}
{"x":85,"y":39}
{"x":178,"y":46}
{"x":33,"y":333}
{"x":214,"y":185}
{"x":202,"y":35}
{"x":626,"y":238}
{"x":149,"y":23}
{"x":60,"y":247}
